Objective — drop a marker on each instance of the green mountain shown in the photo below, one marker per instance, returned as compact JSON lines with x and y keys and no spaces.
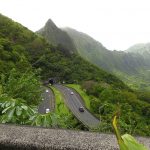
{"x":130,"y":67}
{"x":27,"y":58}
{"x":21,"y":49}
{"x":139,"y":48}
{"x":96,"y":53}
{"x":142,"y":49}
{"x":56,"y":36}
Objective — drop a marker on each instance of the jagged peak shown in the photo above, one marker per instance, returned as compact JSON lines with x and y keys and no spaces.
{"x":50,"y":23}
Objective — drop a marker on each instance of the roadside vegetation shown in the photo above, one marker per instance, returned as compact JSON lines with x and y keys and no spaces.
{"x":62,"y":110}
{"x":59,"y":102}
{"x":104,"y":102}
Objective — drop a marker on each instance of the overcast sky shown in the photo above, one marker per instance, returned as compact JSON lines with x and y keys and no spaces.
{"x":117,"y":24}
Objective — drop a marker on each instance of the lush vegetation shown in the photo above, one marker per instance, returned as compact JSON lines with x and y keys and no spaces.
{"x":26,"y":59}
{"x":62,"y":110}
{"x":132,"y":68}
{"x":56,"y":36}
{"x":60,"y":105}
{"x":140,"y":82}
{"x":105,"y":100}
{"x":126,"y":141}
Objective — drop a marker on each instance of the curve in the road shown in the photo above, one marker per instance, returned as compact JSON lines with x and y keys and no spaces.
{"x":74,"y":102}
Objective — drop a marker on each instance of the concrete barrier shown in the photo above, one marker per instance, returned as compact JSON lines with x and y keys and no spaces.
{"x":14,"y":137}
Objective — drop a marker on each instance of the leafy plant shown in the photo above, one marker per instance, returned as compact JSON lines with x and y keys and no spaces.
{"x":50,"y":120}
{"x":126,"y":142}
{"x":22,"y":85}
{"x":14,"y":110}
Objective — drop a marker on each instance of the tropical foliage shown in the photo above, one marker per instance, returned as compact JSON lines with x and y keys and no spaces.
{"x":126,"y":141}
{"x":26,"y":59}
{"x":105,"y":100}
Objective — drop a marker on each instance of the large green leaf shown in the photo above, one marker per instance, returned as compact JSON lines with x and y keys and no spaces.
{"x":6,"y":109}
{"x":126,"y":142}
{"x":11,"y":113}
{"x":131,"y":143}
{"x":18,"y":111}
{"x":24,"y":107}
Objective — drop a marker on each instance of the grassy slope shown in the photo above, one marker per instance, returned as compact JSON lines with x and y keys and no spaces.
{"x":85,"y":97}
{"x":60,"y":105}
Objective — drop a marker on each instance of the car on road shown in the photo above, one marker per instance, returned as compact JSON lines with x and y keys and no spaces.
{"x":71,"y":93}
{"x":47,"y":91}
{"x":47,"y":110}
{"x":81,"y":109}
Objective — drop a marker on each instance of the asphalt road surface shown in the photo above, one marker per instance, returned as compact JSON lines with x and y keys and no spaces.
{"x":74,"y":102}
{"x":47,"y":101}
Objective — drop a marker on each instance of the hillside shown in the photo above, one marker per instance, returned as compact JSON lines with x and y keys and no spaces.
{"x":56,"y":36}
{"x":130,"y":67}
{"x":18,"y":41}
{"x":142,"y":49}
{"x":130,"y":106}
{"x":139,"y":48}
{"x":96,"y":53}
{"x":26,"y":59}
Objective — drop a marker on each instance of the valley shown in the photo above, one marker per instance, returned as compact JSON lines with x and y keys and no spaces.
{"x":28,"y":59}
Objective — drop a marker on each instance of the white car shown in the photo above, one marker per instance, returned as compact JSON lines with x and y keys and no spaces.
{"x":47,"y":91}
{"x":71,"y":93}
{"x":47,"y":110}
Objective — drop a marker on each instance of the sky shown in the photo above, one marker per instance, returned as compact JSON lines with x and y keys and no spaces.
{"x":117,"y":24}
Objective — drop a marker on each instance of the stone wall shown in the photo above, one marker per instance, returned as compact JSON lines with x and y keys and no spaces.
{"x":35,"y":138}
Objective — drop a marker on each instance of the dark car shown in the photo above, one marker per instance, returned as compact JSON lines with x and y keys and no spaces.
{"x":81,"y":109}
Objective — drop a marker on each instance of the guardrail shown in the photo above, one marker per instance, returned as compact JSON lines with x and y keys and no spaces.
{"x":13,"y":137}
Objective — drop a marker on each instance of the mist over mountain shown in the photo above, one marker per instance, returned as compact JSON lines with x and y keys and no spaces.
{"x":56,"y":36}
{"x":139,"y":48}
{"x":132,"y":66}
{"x":21,"y":49}
{"x":126,"y":65}
{"x":142,"y":49}
{"x":96,"y":53}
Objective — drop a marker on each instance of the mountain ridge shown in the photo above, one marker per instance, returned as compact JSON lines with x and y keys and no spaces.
{"x":121,"y":63}
{"x":56,"y":36}
{"x":21,"y":48}
{"x":98,"y":54}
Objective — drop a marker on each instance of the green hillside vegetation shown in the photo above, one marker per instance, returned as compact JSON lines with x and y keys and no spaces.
{"x":26,"y":59}
{"x":119,"y":63}
{"x":20,"y":46}
{"x":56,"y":36}
{"x":63,"y":110}
{"x":96,"y":53}
{"x":142,"y":49}
{"x":60,"y":106}
{"x":105,"y":101}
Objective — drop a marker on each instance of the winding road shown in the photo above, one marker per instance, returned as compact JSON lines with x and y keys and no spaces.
{"x":74,"y":102}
